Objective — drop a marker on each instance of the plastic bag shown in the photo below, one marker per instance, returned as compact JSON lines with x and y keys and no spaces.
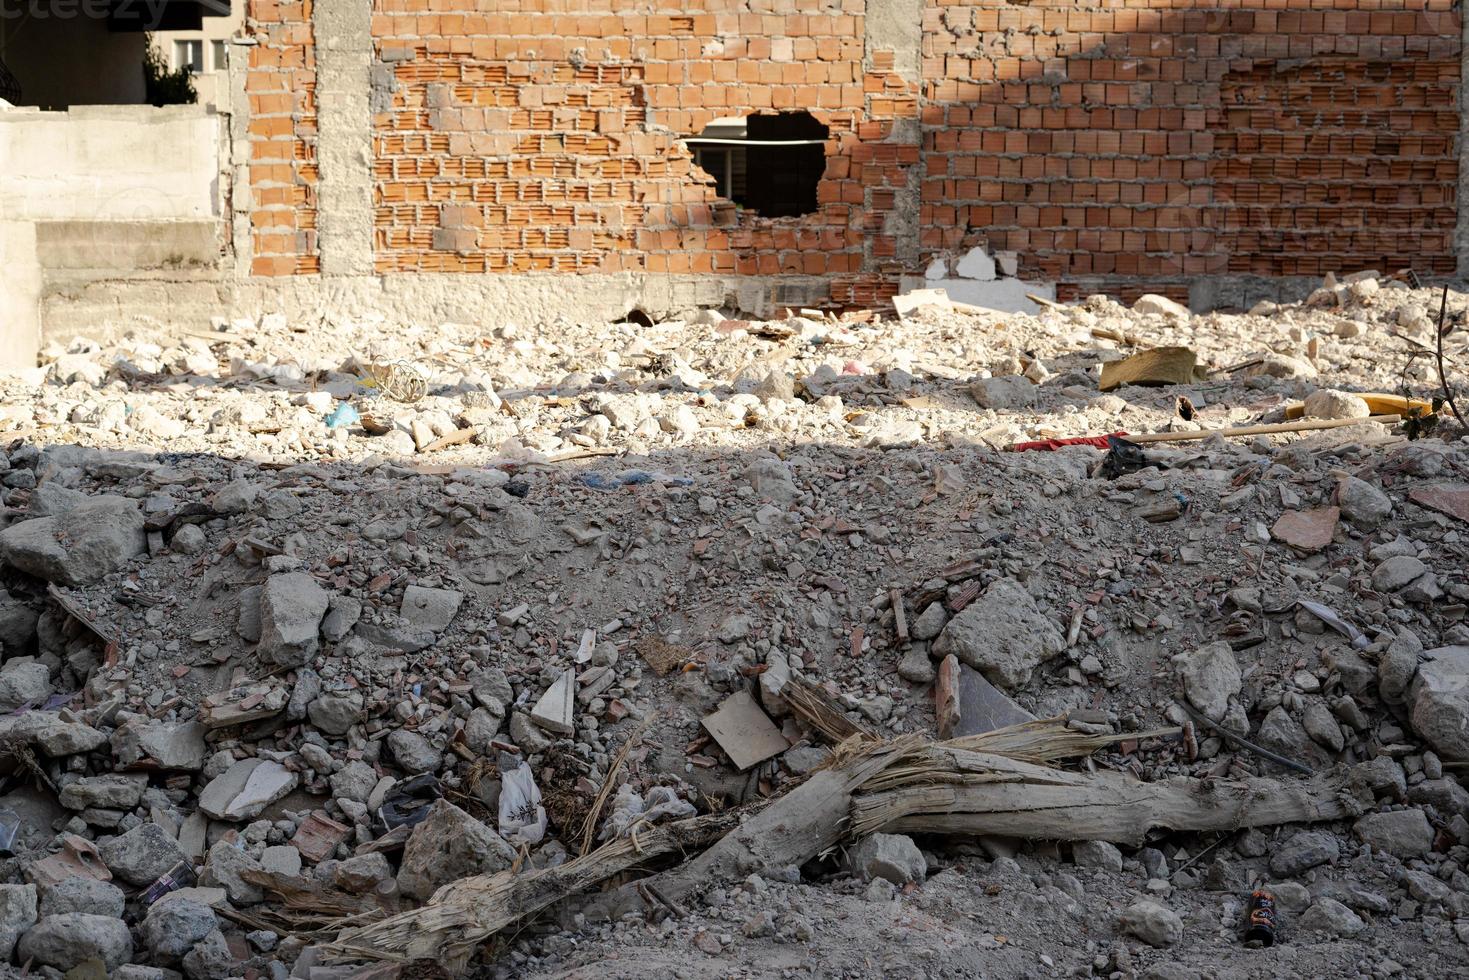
{"x":522,"y":818}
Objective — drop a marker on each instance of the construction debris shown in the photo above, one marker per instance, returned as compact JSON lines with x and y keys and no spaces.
{"x":594,"y":642}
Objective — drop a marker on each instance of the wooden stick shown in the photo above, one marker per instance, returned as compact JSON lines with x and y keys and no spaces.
{"x":1310,"y":425}
{"x":452,"y":439}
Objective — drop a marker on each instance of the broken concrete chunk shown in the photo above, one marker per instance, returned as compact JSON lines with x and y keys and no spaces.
{"x":17,"y":914}
{"x":1153,"y":924}
{"x":81,"y":894}
{"x":892,"y":857}
{"x":1402,"y":833}
{"x":171,"y":929}
{"x":414,"y":753}
{"x":1012,"y":391}
{"x":1309,"y":530}
{"x":176,"y":745}
{"x":968,"y":704}
{"x":342,"y":613}
{"x":1211,"y":676}
{"x":66,"y":941}
{"x":292,"y":606}
{"x":429,"y":609}
{"x":117,"y":791}
{"x":1002,"y":634}
{"x":23,"y":683}
{"x":448,"y":845}
{"x":225,"y":869}
{"x":1327,"y":403}
{"x":556,"y":710}
{"x":46,"y":731}
{"x":143,"y":854}
{"x":245,"y":789}
{"x":80,"y":546}
{"x":1440,"y":702}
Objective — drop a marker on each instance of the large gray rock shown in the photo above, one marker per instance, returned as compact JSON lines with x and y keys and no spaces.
{"x":1304,"y":851}
{"x":1283,"y":734}
{"x":46,"y":731}
{"x":292,"y":606}
{"x":892,"y":857}
{"x":413,"y":752}
{"x":1012,"y":391}
{"x":1402,"y":833}
{"x":80,"y":546}
{"x":1440,"y":702}
{"x":23,"y":682}
{"x":142,"y":855}
{"x":1362,"y":505}
{"x":1096,"y":854}
{"x":225,"y":869}
{"x":1397,"y":666}
{"x":246,"y":788}
{"x":1397,"y":573}
{"x":1002,"y":635}
{"x":1211,"y":676}
{"x":1153,"y":924}
{"x":17,"y":914}
{"x":114,"y":791}
{"x":335,"y":714}
{"x":429,"y":609}
{"x":448,"y":845}
{"x":170,"y":745}
{"x":210,"y":959}
{"x":67,"y":940}
{"x":172,"y":928}
{"x":354,"y":781}
{"x":80,"y":893}
{"x":1330,"y":917}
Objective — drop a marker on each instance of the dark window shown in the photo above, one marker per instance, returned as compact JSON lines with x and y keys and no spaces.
{"x":769,"y":163}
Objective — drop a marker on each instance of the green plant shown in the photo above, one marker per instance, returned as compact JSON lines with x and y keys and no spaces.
{"x":160,"y":85}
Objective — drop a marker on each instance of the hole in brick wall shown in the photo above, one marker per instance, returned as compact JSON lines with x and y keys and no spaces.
{"x":769,"y":163}
{"x":639,"y":317}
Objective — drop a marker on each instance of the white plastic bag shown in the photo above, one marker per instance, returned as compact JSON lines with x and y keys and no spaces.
{"x":522,"y":818}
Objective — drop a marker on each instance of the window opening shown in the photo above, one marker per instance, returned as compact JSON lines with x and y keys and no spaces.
{"x":770,"y":163}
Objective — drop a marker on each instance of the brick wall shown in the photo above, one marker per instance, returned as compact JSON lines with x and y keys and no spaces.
{"x":1126,"y":144}
{"x":542,"y":135}
{"x":281,"y":88}
{"x":1166,"y":140}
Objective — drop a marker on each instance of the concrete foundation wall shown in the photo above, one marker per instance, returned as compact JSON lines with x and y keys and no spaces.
{"x":20,"y":296}
{"x":129,"y":163}
{"x":110,"y":307}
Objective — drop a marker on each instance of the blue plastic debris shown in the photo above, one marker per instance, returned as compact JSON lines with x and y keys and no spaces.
{"x":342,"y":416}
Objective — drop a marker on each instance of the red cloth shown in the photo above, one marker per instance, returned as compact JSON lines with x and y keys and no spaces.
{"x":1048,"y":445}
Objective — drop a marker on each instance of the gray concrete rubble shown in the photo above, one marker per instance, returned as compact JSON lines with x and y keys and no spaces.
{"x":284,"y":654}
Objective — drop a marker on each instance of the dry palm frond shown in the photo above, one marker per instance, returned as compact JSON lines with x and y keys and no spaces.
{"x":589,"y":826}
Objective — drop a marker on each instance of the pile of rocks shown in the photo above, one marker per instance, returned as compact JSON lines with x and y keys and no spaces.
{"x":296,"y":656}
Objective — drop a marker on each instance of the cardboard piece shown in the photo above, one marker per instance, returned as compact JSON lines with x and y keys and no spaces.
{"x":744,"y":731}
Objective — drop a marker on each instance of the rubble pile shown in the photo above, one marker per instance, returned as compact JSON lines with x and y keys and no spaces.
{"x":307,"y":626}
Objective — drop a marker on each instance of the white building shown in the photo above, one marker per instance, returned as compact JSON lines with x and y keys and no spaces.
{"x":204,"y":52}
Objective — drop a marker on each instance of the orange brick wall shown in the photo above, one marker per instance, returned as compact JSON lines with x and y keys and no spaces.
{"x":1121,"y":144}
{"x":1166,"y":140}
{"x":281,"y":88}
{"x":542,"y":135}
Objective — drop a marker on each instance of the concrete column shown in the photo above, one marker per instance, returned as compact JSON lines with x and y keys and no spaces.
{"x":20,"y":297}
{"x":897,"y":26}
{"x":343,"y":31}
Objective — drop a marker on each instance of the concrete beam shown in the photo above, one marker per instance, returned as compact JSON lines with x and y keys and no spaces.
{"x":344,"y":55}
